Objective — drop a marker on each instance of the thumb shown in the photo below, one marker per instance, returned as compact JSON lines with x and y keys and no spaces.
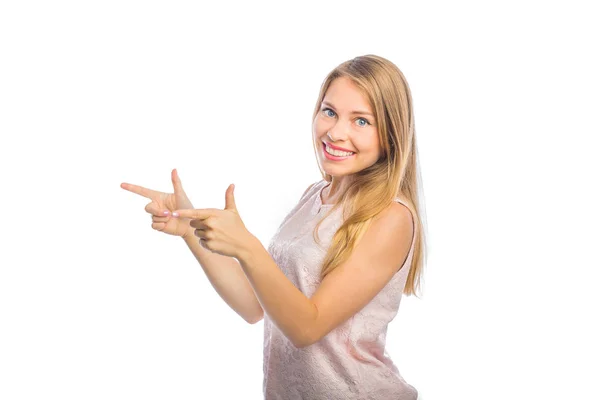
{"x":177,"y":186}
{"x":229,"y":199}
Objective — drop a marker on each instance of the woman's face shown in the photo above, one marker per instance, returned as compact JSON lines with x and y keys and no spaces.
{"x":345,"y":113}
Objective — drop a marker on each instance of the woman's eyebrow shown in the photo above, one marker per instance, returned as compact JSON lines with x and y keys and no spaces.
{"x":351,"y":112}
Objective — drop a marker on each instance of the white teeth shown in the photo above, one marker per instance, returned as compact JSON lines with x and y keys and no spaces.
{"x":337,"y":152}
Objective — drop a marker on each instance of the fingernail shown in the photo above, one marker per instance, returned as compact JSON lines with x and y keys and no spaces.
{"x":166,"y":212}
{"x":176,"y":214}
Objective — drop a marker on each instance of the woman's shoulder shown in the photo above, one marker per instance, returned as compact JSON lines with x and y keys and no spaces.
{"x":313,"y":185}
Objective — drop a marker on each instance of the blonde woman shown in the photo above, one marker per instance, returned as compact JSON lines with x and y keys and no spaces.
{"x":334,"y":273}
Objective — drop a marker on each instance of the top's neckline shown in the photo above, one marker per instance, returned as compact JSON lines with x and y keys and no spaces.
{"x":320,"y":193}
{"x":323,"y":205}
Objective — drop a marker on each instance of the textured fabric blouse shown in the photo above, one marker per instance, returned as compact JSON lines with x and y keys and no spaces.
{"x":350,"y":362}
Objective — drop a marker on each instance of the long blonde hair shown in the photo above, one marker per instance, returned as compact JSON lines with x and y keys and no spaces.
{"x":395,"y":174}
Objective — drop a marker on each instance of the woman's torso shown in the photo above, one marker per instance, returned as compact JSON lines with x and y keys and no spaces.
{"x":350,"y":362}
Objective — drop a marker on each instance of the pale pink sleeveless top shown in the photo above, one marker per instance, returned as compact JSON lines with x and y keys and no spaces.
{"x":350,"y":362}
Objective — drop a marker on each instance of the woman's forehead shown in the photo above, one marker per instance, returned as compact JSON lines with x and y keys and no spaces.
{"x":343,"y":94}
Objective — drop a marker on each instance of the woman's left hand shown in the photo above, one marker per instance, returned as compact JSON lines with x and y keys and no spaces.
{"x":220,"y":231}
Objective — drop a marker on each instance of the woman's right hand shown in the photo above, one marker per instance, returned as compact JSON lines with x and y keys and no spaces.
{"x":170,"y":202}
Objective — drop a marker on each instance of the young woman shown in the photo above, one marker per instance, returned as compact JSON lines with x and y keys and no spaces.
{"x":334,"y":273}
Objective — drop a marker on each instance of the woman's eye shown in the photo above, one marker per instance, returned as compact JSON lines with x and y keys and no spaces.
{"x":366,"y":122}
{"x":326,"y":110}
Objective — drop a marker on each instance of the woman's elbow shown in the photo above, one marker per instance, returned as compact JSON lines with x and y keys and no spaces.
{"x":256,"y":319}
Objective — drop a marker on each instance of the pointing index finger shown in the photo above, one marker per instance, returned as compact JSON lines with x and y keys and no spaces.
{"x":142,"y":191}
{"x":193,"y":214}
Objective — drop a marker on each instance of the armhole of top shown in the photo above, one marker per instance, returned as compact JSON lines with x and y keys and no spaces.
{"x":414,"y":226}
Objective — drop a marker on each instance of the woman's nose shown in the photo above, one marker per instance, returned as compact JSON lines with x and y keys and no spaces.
{"x":336,"y":134}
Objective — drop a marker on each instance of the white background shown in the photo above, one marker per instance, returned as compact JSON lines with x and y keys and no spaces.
{"x":94,"y":304}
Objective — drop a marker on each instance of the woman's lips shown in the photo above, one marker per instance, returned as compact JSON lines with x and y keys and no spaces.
{"x":335,"y":158}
